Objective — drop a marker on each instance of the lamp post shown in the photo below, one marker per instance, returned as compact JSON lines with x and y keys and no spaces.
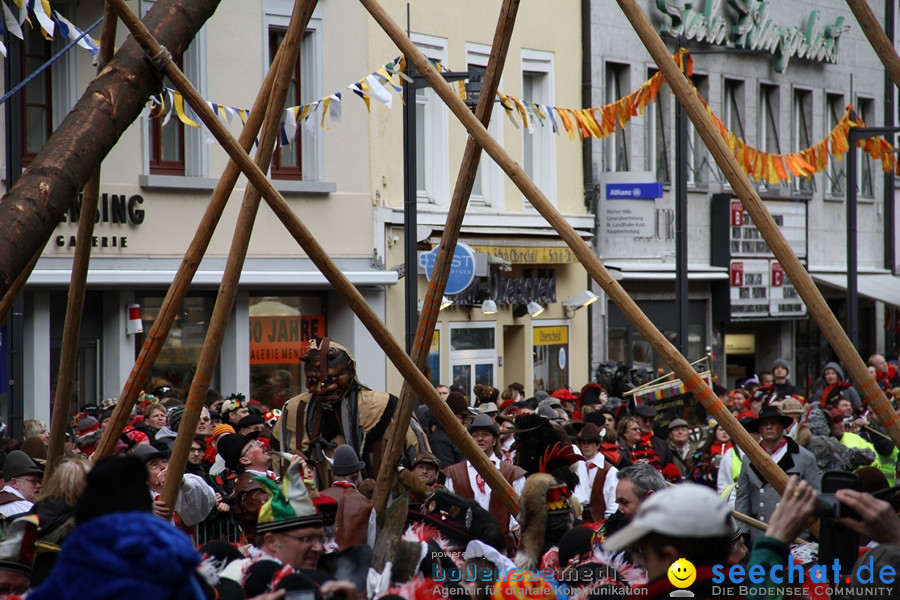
{"x":856,"y":134}
{"x":410,"y":195}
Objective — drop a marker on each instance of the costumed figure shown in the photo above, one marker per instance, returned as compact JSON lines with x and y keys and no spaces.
{"x":339,"y":409}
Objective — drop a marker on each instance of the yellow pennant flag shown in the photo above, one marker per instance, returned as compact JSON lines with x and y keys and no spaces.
{"x":179,"y":110}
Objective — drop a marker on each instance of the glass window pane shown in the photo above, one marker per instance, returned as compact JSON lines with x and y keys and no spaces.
{"x":484,"y":374}
{"x":421,"y":159}
{"x":433,"y":362}
{"x":280,"y":330}
{"x":473,"y":338}
{"x":462,"y":376}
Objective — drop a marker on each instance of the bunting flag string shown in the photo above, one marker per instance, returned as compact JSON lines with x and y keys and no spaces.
{"x":50,"y":22}
{"x":584,"y":123}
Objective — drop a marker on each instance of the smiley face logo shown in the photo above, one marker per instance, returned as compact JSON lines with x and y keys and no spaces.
{"x":682,"y":573}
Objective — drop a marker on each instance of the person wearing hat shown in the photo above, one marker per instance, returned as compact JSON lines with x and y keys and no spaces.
{"x":755,"y":496}
{"x":23,"y":484}
{"x":465,"y":481}
{"x":195,"y":498}
{"x":651,"y":448}
{"x":680,"y":445}
{"x":596,"y":491}
{"x":355,"y":520}
{"x":442,"y":446}
{"x":781,"y":370}
{"x":251,"y":424}
{"x":248,"y":458}
{"x":234,"y":408}
{"x":426,"y":467}
{"x":289,"y":530}
{"x":686,"y":521}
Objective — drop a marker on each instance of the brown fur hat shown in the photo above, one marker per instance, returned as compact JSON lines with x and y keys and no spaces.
{"x":533,"y":520}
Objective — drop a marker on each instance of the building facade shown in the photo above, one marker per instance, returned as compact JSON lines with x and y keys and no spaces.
{"x":343,"y":176}
{"x":779,"y":76}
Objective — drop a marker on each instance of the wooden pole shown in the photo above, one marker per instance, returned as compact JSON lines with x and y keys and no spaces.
{"x":435,"y":293}
{"x":320,"y":258}
{"x":59,"y":419}
{"x":171,"y":305}
{"x":218,"y":324}
{"x":326,"y":266}
{"x":877,"y":37}
{"x":595,"y":268}
{"x":818,"y":309}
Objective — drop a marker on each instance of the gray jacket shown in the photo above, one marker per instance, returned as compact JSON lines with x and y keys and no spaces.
{"x":757,"y":498}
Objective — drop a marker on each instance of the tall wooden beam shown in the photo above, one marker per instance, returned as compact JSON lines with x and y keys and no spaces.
{"x":455,"y":213}
{"x":877,"y":37}
{"x":740,"y":183}
{"x":595,"y":268}
{"x":320,"y":258}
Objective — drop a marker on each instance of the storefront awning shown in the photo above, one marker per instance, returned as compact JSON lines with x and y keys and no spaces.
{"x":881,"y":287}
{"x":647,"y":271}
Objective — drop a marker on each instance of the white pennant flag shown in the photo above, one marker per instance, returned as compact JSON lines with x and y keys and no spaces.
{"x":290,"y":123}
{"x":334,"y":108}
{"x":378,"y":91}
{"x":11,"y":23}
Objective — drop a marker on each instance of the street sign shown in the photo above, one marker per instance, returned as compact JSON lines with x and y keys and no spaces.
{"x":634,"y":191}
{"x":462,"y":268}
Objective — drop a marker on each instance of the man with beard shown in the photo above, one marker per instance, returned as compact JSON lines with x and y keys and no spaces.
{"x":338,"y":409}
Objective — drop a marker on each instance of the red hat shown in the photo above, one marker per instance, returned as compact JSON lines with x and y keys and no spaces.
{"x":564,"y":394}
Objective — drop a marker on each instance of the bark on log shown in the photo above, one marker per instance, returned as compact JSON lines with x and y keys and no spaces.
{"x":33,"y":208}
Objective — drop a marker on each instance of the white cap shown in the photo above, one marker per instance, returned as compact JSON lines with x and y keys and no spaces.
{"x":686,"y":510}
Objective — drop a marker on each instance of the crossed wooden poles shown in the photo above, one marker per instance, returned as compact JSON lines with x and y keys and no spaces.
{"x":415,"y":381}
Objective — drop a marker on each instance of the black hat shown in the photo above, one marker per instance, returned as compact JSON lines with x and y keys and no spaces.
{"x":458,"y":403}
{"x":147,"y":452}
{"x":19,"y":464}
{"x":645,"y":410}
{"x":259,"y":577}
{"x":230,"y":447}
{"x":484,"y":422}
{"x":250,"y":420}
{"x":297,"y":582}
{"x":769,"y":412}
{"x":346,"y":461}
{"x":115,"y":484}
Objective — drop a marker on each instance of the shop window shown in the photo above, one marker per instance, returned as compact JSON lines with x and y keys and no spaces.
{"x":177,"y":361}
{"x":538,"y":145}
{"x":698,"y":155}
{"x":37,"y":112}
{"x":473,"y":356}
{"x":550,"y":351}
{"x":166,"y":142}
{"x":768,"y":122}
{"x":615,"y":147}
{"x":433,"y":361}
{"x":836,"y":174}
{"x":733,"y":111}
{"x":280,"y":330}
{"x":657,"y":124}
{"x":802,"y":119}
{"x":865,"y":182}
{"x":432,"y":151}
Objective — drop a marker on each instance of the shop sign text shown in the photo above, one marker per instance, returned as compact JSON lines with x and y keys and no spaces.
{"x":284,"y":339}
{"x":509,"y":290}
{"x":753,"y":28}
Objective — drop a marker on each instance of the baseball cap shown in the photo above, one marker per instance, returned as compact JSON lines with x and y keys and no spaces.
{"x":686,"y":510}
{"x":678,"y":423}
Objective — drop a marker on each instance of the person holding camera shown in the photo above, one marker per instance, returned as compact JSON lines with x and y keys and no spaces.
{"x":755,"y":496}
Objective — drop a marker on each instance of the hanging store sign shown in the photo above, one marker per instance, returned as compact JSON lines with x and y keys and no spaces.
{"x":283,"y":339}
{"x":751,"y":26}
{"x":462,"y":268}
{"x":627,"y":208}
{"x":509,"y":290}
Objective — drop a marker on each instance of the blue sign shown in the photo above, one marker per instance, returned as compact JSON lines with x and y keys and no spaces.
{"x":462,"y":268}
{"x":633,"y":191}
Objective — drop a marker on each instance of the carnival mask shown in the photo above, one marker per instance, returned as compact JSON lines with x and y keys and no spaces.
{"x":329,"y":379}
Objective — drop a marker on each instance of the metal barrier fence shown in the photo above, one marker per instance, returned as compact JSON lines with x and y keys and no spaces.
{"x":219,"y":528}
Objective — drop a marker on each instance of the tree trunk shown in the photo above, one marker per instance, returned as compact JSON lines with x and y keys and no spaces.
{"x":34,"y":207}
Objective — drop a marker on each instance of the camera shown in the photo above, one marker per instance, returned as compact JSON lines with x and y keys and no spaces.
{"x":829,"y":507}
{"x":836,"y":542}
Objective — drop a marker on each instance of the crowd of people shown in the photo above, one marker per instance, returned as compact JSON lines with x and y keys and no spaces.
{"x":282,"y":501}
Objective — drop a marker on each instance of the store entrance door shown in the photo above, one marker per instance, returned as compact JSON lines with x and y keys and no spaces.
{"x":473,"y":356}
